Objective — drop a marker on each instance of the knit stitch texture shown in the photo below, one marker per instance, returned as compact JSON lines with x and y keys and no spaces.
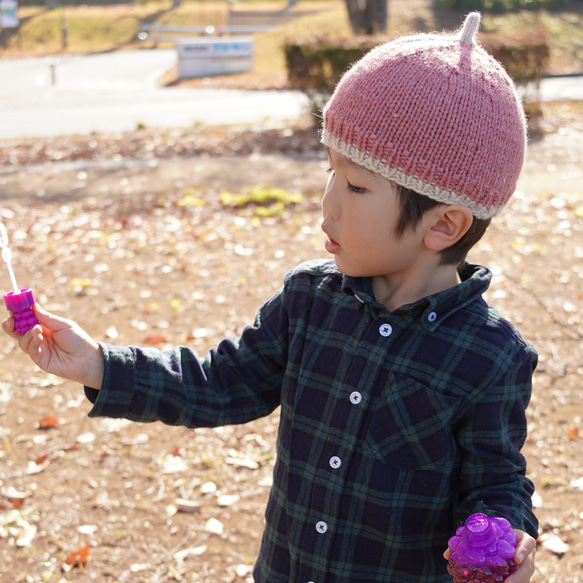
{"x":435,"y":113}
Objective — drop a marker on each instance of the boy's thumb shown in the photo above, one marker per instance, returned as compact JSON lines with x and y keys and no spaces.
{"x":50,"y":320}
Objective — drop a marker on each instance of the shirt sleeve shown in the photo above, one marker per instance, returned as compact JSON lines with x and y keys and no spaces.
{"x":238,"y":381}
{"x":491,"y":435}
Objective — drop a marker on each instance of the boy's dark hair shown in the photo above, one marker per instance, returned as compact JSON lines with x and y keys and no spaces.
{"x":414,"y":205}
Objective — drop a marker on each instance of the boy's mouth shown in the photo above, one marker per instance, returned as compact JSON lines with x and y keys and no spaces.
{"x":331,"y":245}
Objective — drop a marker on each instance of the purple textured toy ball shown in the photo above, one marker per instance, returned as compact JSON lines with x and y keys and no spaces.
{"x":20,"y":305}
{"x":482,"y":551}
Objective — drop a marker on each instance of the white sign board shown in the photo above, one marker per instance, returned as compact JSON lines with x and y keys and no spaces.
{"x":8,"y":13}
{"x":206,"y":57}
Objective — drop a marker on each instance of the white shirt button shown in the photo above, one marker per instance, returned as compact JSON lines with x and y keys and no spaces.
{"x":321,"y":527}
{"x":432,"y":316}
{"x":355,"y":397}
{"x":335,"y":462}
{"x":385,"y":330}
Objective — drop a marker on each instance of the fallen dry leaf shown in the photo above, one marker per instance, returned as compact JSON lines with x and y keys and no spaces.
{"x":190,"y":552}
{"x":228,"y":499}
{"x":48,"y":422}
{"x":183,"y":505}
{"x":79,"y":557}
{"x":13,"y":494}
{"x":551,"y":542}
{"x":34,"y":468}
{"x":41,"y":459}
{"x":214,"y":526}
{"x":26,"y":535}
{"x":155,"y":340}
{"x":243,"y":462}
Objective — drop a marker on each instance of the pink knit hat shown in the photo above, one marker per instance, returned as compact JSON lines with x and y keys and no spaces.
{"x":434,"y":113}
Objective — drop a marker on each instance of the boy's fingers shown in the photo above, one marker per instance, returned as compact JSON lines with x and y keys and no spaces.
{"x":524,"y":558}
{"x":8,"y":327}
{"x":526,"y":545}
{"x":25,"y":340}
{"x":50,"y":320}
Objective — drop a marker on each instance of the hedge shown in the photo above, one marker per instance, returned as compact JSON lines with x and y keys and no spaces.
{"x":315,"y":66}
{"x":500,"y":5}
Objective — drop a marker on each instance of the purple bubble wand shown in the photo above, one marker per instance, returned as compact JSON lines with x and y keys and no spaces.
{"x":19,"y":301}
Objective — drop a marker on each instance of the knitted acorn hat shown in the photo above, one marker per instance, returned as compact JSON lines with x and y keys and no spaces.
{"x":434,"y":113}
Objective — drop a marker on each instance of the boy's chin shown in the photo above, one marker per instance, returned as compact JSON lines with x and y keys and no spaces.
{"x":350,"y":271}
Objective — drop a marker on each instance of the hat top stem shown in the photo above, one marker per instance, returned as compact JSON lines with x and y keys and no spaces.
{"x":470,"y":27}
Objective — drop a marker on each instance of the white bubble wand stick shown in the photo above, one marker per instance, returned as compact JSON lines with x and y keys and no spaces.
{"x":7,"y":255}
{"x":20,"y":301}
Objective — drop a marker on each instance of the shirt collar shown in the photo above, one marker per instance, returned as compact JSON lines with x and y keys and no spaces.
{"x":433,"y":309}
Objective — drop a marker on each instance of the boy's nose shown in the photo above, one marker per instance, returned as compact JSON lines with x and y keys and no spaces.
{"x":329,"y":204}
{"x":326,"y":205}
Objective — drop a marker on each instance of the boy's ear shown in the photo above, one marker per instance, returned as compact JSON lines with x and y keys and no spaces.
{"x":448,"y":224}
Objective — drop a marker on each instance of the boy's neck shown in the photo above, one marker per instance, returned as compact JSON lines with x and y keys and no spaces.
{"x":394,"y":291}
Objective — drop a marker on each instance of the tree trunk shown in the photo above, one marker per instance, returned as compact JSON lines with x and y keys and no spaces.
{"x":368,"y":16}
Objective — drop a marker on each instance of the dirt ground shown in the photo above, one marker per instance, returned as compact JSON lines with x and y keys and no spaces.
{"x":130,"y":236}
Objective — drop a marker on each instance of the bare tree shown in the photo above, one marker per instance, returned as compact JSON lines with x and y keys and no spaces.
{"x":368,"y":16}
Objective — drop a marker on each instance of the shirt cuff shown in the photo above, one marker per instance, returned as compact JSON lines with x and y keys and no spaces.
{"x":116,"y":394}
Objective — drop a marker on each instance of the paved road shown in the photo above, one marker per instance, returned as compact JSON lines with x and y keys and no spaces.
{"x":568,"y":88}
{"x":116,"y":91}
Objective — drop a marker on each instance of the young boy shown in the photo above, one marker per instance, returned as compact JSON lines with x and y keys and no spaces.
{"x":402,"y":393}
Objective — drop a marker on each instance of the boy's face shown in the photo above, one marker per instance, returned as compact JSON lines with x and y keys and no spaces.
{"x":360,"y":212}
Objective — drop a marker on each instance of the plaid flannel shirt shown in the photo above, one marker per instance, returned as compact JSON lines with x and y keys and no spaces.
{"x":394,"y":425}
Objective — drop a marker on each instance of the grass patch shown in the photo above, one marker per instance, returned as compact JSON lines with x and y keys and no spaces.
{"x":89,"y":29}
{"x":269,"y":45}
{"x":565,"y":29}
{"x":197,"y":14}
{"x":94,"y":29}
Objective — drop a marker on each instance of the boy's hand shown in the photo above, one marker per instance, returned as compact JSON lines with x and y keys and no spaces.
{"x":60,"y":347}
{"x":524,"y":558}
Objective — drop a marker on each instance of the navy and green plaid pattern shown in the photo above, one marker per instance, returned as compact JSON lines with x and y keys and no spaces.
{"x":394,"y":425}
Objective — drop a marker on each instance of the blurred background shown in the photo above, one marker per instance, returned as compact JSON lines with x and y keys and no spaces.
{"x":160,"y":171}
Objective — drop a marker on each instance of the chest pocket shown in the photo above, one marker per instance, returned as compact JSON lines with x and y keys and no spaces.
{"x":411,"y":427}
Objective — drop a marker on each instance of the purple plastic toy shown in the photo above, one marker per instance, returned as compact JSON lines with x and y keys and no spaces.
{"x":20,"y":305}
{"x":20,"y":301}
{"x":482,"y":551}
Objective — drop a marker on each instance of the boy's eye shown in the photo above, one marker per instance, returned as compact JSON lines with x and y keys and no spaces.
{"x":356,"y":189}
{"x":351,"y":187}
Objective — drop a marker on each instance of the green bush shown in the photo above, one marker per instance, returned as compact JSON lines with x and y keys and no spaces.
{"x":525,"y":57}
{"x":315,"y":66}
{"x":499,"y":5}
